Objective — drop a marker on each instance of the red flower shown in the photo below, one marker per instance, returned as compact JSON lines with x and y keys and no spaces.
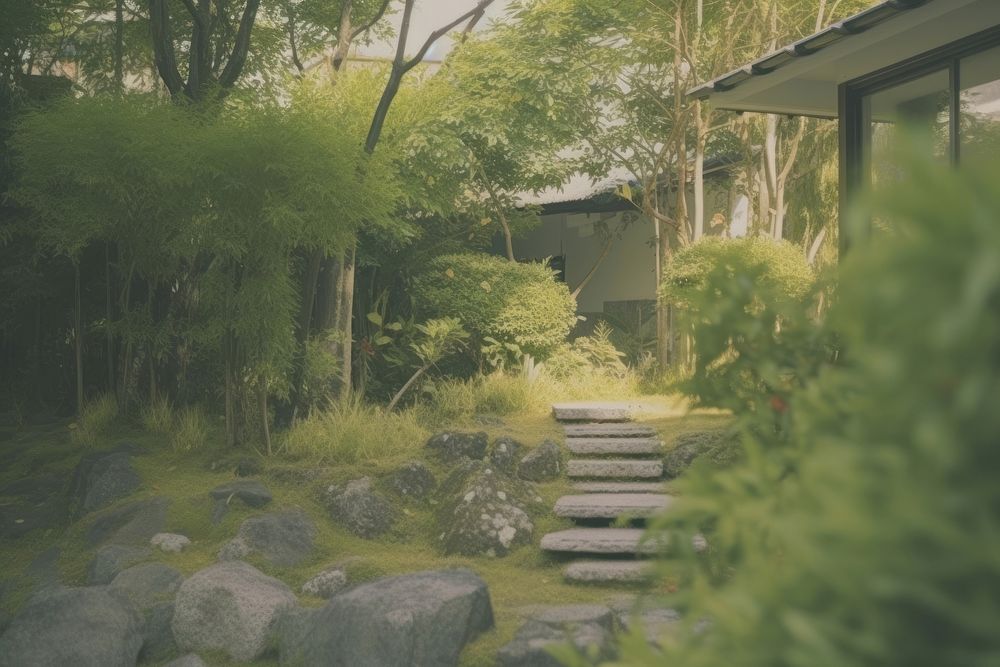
{"x":778,"y":403}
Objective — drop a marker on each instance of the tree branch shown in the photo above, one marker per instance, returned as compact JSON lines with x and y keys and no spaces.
{"x":163,"y":46}
{"x":238,"y":58}
{"x":473,"y":15}
{"x":375,"y":19}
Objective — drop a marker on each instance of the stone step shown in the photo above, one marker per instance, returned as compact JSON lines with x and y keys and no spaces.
{"x":598,"y":541}
{"x":608,"y":571}
{"x":621,"y":446}
{"x":608,"y":431}
{"x":593,"y":412}
{"x":612,"y":505}
{"x":620,"y":487}
{"x":614,"y":468}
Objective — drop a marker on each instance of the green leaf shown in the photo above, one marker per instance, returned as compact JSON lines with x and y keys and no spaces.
{"x":375,"y":319}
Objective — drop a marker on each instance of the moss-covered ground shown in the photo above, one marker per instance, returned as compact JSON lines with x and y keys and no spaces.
{"x":526,"y":577}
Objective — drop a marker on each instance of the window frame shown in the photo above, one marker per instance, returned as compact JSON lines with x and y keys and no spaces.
{"x":851,"y":110}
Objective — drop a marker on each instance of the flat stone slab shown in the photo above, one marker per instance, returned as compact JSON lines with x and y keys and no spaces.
{"x":596,"y":412}
{"x":614,"y":468}
{"x":608,"y":571}
{"x":598,"y":541}
{"x":608,"y":431}
{"x":620,"y":487}
{"x":612,"y":446}
{"x":612,"y":505}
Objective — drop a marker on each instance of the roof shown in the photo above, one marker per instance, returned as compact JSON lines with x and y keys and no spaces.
{"x":803,"y":77}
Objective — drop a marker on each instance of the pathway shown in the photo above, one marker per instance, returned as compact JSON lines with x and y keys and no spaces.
{"x":617,"y":470}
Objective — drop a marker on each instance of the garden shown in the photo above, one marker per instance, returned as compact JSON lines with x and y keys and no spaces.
{"x":283,"y":380}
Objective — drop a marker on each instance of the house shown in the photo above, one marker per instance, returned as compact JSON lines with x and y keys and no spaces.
{"x":930,"y":63}
{"x":602,"y":245}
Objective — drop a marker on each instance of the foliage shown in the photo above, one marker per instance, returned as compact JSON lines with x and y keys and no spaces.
{"x":587,"y":354}
{"x":354,"y":433}
{"x":320,"y":371}
{"x":191,"y":430}
{"x":517,"y":303}
{"x":827,"y":541}
{"x":778,"y":266}
{"x":96,"y":419}
{"x":157,"y":416}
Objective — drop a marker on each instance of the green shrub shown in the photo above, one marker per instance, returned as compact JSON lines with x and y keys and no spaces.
{"x":517,"y":303}
{"x":157,"y":416}
{"x":594,"y":354}
{"x":779,"y":266}
{"x":354,"y":433}
{"x":191,"y":430}
{"x":96,"y":419}
{"x":864,"y":531}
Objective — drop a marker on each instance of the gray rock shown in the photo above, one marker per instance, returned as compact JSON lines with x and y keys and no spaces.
{"x":326,"y":584}
{"x":414,"y":481}
{"x":541,"y":464}
{"x":451,"y":446}
{"x":505,"y":453}
{"x":250,"y":491}
{"x":189,"y":660}
{"x":483,"y":512}
{"x":421,"y":620}
{"x":587,"y":628}
{"x":83,"y":627}
{"x":100,"y":479}
{"x":148,"y":584}
{"x":717,"y":445}
{"x":653,"y":622}
{"x":282,"y":538}
{"x":151,"y":589}
{"x":112,"y":559}
{"x":359,"y":509}
{"x":43,"y":570}
{"x":170,"y":542}
{"x":230,"y":607}
{"x":134,"y":523}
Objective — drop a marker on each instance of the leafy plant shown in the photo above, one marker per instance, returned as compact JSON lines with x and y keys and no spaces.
{"x":864,"y":531}
{"x":439,"y":338}
{"x":96,"y":419}
{"x":512,"y":303}
{"x":157,"y":416}
{"x":191,"y":430}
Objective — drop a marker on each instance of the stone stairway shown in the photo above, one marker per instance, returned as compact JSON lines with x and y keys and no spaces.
{"x":617,"y":471}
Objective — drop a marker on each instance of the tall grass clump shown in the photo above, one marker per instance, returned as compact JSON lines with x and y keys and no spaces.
{"x":354,"y":433}
{"x":157,"y":416}
{"x":862,"y":524}
{"x":190,"y":431}
{"x":96,"y":420}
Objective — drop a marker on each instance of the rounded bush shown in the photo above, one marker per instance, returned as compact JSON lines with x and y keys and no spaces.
{"x":778,"y":263}
{"x":512,"y":302}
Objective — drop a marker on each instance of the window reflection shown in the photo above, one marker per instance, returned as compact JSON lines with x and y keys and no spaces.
{"x":980,"y":105}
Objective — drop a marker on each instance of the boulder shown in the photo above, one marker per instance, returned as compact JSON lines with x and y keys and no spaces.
{"x":100,"y":479}
{"x":587,"y":628}
{"x":326,"y":584}
{"x":43,"y":570}
{"x":483,"y":512}
{"x":281,"y":538}
{"x":112,"y":559}
{"x":718,"y":445}
{"x":413,"y":481}
{"x":230,"y":607}
{"x":505,"y":453}
{"x":356,"y":507}
{"x":83,"y":627}
{"x":170,"y":542}
{"x":151,"y":589}
{"x":250,"y":491}
{"x":420,"y":620}
{"x":453,"y":445}
{"x":134,"y":523}
{"x":541,"y":464}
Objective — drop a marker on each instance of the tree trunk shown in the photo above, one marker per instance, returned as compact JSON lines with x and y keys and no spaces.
{"x":108,"y":315}
{"x":227,"y":353}
{"x":119,"y":46}
{"x":593,"y":269}
{"x":265,"y":430}
{"x":346,"y":319}
{"x":78,"y":336}
{"x":701,"y":130}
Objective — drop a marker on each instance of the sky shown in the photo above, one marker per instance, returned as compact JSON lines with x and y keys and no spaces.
{"x":428,"y":15}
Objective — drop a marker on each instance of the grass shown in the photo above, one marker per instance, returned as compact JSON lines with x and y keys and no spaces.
{"x":96,"y":420}
{"x":345,"y":443}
